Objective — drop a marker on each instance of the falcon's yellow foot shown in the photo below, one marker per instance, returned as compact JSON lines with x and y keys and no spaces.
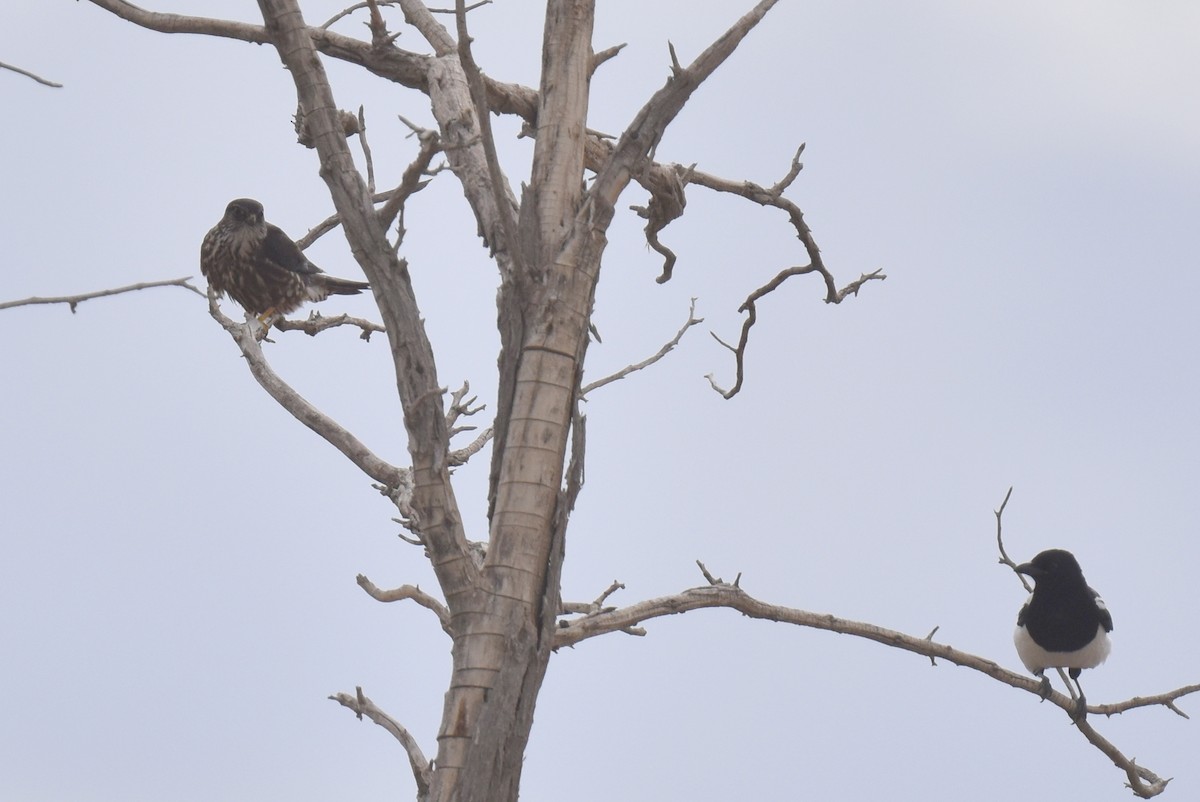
{"x":266,"y":319}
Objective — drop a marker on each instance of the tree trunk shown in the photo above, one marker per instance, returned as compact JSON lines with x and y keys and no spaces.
{"x":501,"y":657}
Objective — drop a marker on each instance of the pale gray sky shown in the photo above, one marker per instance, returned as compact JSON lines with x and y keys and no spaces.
{"x":177,"y":591}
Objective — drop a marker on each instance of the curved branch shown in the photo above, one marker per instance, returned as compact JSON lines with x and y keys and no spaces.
{"x":362,"y":706}
{"x":774,"y":198}
{"x":408,"y":592}
{"x":75,"y":300}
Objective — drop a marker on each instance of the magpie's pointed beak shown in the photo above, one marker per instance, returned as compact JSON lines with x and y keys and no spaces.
{"x":1030,"y":570}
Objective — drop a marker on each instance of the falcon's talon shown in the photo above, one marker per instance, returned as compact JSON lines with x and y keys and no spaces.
{"x":260,"y":267}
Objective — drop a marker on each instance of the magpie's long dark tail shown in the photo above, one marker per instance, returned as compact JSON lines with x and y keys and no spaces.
{"x":342,"y":286}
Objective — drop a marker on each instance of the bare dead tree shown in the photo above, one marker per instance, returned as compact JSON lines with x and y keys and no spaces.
{"x":500,"y":601}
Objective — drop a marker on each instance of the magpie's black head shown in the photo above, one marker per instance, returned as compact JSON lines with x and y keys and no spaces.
{"x":1054,"y":565}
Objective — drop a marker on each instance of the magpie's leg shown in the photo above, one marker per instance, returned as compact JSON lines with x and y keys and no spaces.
{"x":1081,"y":702}
{"x":1045,"y":689}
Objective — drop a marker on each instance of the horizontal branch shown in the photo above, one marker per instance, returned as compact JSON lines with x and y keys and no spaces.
{"x":363,"y":706}
{"x":75,"y":300}
{"x":317,"y":323}
{"x":1167,"y":700}
{"x":1142,"y":781}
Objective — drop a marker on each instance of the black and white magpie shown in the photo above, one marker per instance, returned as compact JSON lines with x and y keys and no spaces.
{"x":1064,"y":623}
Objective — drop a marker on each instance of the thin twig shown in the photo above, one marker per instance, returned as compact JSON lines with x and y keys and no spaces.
{"x":471,"y":7}
{"x":645,"y":363}
{"x":28,"y":74}
{"x":345,"y":12}
{"x":75,"y":300}
{"x":366,"y":149}
{"x":1004,"y":558}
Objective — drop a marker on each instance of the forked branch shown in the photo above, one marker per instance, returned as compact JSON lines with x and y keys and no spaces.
{"x":773,"y":197}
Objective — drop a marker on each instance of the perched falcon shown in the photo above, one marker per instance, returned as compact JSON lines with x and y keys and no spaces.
{"x":1064,"y":624}
{"x":257,"y":265}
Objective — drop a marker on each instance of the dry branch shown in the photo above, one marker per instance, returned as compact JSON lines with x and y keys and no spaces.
{"x":362,"y":706}
{"x":325,"y":426}
{"x":645,"y":363}
{"x":75,"y":300}
{"x":408,"y":592}
{"x":28,"y":74}
{"x":774,"y":198}
{"x":412,"y":181}
{"x":459,"y":456}
{"x":317,"y":323}
{"x":483,"y":118}
{"x":345,"y":12}
{"x":461,"y":407}
{"x":718,"y":594}
{"x":415,"y":368}
{"x":614,"y":163}
{"x":595,"y":606}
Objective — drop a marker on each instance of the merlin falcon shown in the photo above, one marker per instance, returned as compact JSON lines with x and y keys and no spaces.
{"x":260,"y":267}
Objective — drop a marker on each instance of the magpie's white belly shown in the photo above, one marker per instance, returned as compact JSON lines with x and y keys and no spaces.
{"x":1037,"y":659}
